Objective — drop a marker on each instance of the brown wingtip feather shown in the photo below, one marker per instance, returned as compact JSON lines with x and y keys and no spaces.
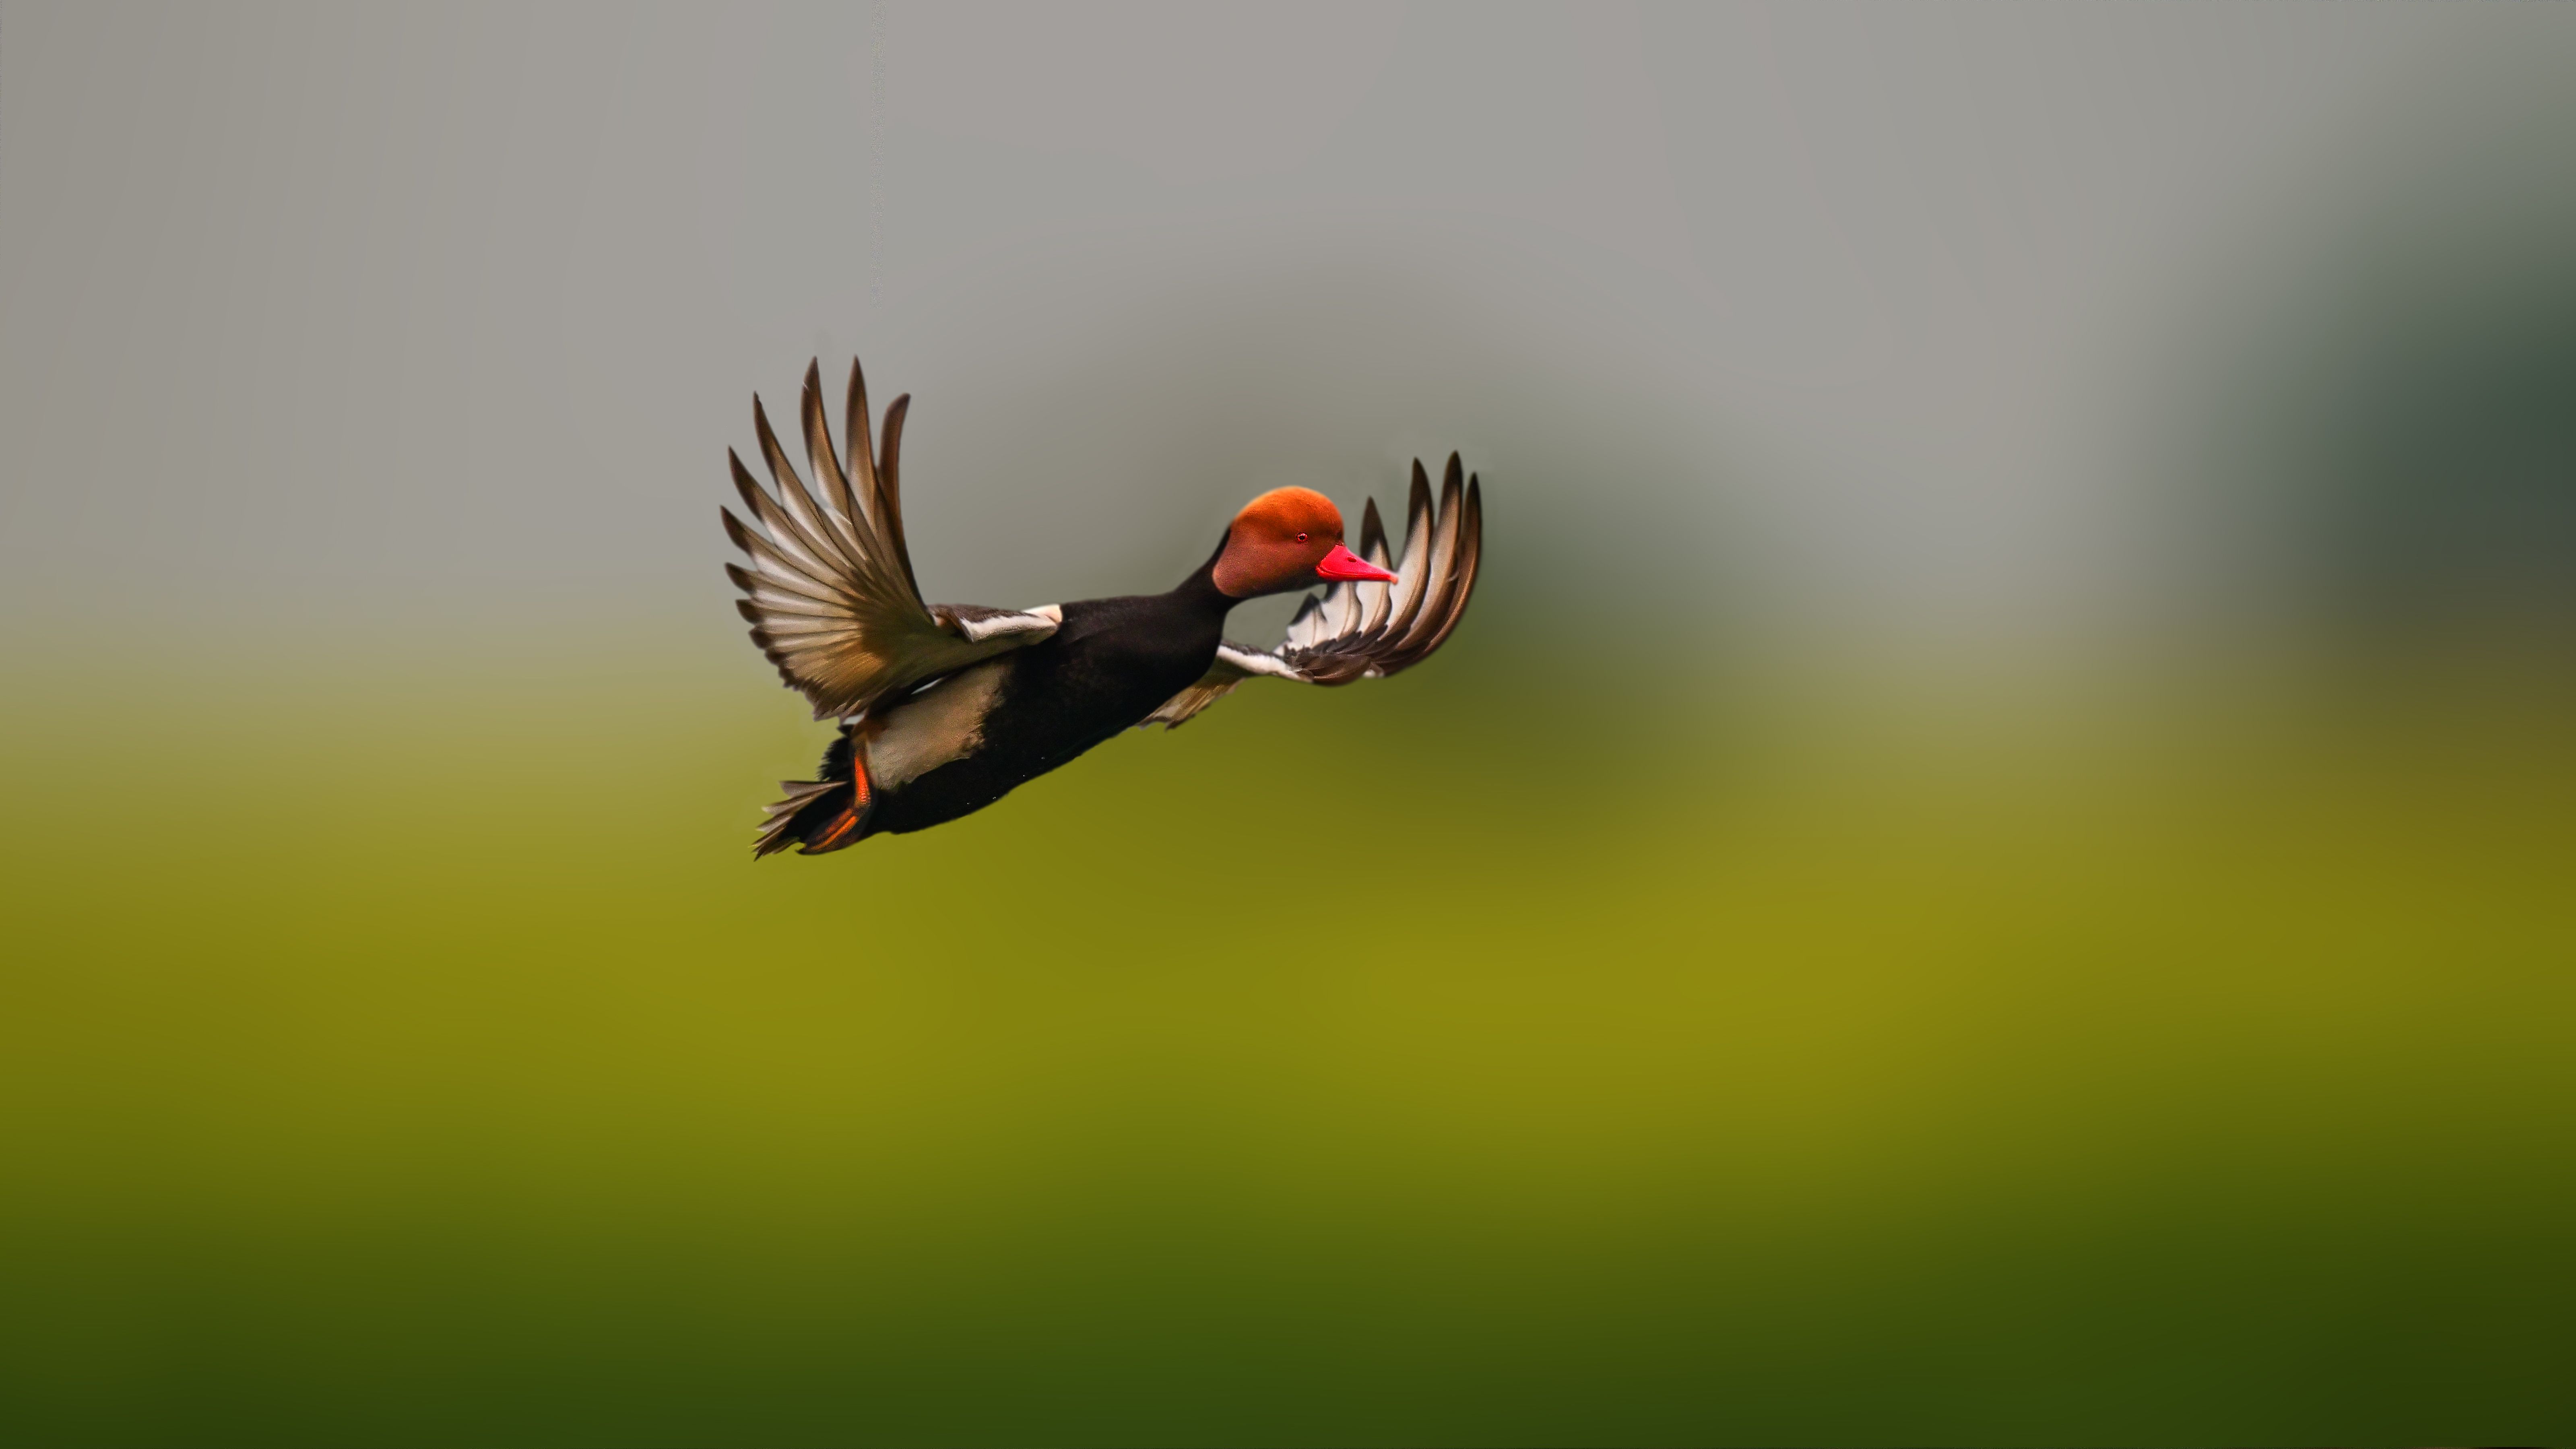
{"x":743,"y":482}
{"x":890,"y":486}
{"x":818,"y":428}
{"x":781,"y":471}
{"x":856,"y":433}
{"x":820,"y":454}
{"x":846,"y":516}
{"x":895,"y":413}
{"x":1462,"y":569}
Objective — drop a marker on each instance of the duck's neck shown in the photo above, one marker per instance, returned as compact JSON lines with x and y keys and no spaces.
{"x":1199,"y":592}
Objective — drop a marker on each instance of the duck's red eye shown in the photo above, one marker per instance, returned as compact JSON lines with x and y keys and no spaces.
{"x":1301,"y":538}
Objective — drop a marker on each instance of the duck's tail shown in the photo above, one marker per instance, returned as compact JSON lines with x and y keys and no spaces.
{"x":824,"y":815}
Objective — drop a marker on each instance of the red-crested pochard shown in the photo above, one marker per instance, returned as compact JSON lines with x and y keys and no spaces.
{"x":944,"y":708}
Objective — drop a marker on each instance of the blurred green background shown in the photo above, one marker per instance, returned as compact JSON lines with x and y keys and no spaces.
{"x":1991,"y":865}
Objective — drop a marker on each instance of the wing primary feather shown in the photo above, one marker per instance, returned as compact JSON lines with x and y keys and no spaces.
{"x":781,"y":568}
{"x":773,"y":565}
{"x":1377,"y":597}
{"x":1412,"y":572}
{"x":1439,"y":582}
{"x":1471,"y":541}
{"x":861,"y":436}
{"x":768,"y":596}
{"x":1341,"y":610}
{"x":799,"y":504}
{"x":865,"y":532}
{"x":1302,"y":629}
{"x":890,"y":489}
{"x":818,"y":562}
{"x":1458,"y":578}
{"x":839,"y":506}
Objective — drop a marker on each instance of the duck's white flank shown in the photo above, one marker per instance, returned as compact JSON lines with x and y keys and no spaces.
{"x":942,"y":723}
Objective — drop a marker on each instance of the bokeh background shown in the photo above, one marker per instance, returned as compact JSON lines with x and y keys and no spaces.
{"x":1992,"y":864}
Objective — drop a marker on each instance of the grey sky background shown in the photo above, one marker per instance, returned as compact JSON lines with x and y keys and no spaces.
{"x":1853,"y":318}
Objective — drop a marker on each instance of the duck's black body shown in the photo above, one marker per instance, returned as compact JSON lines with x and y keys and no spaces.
{"x":1110,"y":664}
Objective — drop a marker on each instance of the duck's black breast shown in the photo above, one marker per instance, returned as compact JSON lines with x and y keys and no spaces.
{"x":1111,"y":663}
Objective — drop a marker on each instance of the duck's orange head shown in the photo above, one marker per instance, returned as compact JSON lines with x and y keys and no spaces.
{"x":1288,"y":538}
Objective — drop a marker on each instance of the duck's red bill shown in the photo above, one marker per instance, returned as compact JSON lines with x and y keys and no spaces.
{"x":1342,"y":564}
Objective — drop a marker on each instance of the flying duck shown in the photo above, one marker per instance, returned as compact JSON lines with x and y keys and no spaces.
{"x":944,"y":708}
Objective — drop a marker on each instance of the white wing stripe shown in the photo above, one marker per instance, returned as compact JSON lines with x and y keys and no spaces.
{"x":1003,"y":625}
{"x":1256,"y":661}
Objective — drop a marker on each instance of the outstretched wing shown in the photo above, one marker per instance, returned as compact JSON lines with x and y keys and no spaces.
{"x":1367,"y":629}
{"x":830,"y":592}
